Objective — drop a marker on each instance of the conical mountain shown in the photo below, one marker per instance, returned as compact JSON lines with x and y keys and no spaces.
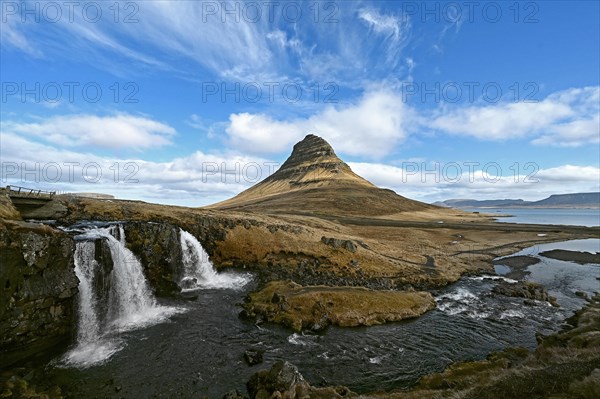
{"x":314,"y":180}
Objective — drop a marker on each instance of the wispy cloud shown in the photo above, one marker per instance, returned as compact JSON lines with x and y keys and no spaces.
{"x":13,"y":34}
{"x":394,"y":28}
{"x":353,"y":44}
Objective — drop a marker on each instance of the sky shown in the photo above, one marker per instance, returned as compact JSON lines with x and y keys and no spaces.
{"x":191,"y":102}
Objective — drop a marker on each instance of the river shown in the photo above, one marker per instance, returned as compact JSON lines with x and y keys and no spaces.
{"x":198,"y":349}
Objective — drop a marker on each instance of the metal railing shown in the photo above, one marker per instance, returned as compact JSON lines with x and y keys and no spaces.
{"x":18,"y":191}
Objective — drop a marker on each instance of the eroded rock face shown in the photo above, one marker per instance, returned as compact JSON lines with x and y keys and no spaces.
{"x":38,"y":289}
{"x":309,"y":154}
{"x":52,"y":210}
{"x":158,"y":247}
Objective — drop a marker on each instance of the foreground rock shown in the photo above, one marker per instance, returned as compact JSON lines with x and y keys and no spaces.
{"x":316,"y":307}
{"x":284,"y":380}
{"x":572,"y":256}
{"x":38,"y":288}
{"x":524,"y":289}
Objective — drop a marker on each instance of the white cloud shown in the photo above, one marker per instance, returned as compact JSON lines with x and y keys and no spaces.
{"x":81,"y":130}
{"x":419,"y":181}
{"x":370,"y":128}
{"x":565,"y":118}
{"x":572,"y":134}
{"x":380,"y":120}
{"x":197,"y":179}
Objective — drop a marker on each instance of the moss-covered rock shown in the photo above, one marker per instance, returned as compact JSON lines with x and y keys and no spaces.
{"x":316,"y":307}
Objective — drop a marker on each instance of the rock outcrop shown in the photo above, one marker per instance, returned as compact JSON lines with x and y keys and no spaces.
{"x":284,"y":380}
{"x":38,"y":289}
{"x":524,"y":289}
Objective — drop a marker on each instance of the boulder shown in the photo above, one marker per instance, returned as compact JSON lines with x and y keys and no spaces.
{"x":283,"y":380}
{"x":339,"y":243}
{"x":254,"y":356}
{"x":524,"y":289}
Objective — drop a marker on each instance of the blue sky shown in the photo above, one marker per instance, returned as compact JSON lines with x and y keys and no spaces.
{"x":190,"y":102}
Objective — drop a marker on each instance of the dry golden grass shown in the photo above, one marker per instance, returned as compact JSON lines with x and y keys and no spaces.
{"x":315,"y":307}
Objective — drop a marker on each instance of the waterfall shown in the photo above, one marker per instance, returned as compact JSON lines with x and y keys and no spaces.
{"x":130,"y":303}
{"x":85,"y":264}
{"x":198,"y":270}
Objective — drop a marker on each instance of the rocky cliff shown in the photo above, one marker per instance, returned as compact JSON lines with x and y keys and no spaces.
{"x":38,"y":289}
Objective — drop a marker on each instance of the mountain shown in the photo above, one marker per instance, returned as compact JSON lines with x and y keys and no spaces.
{"x":576,"y":200}
{"x":314,"y":180}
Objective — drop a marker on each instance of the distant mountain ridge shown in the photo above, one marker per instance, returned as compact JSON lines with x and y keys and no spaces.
{"x":575,"y":200}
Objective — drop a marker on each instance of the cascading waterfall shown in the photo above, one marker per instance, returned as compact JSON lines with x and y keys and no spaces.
{"x":198,"y":270}
{"x":85,"y":264}
{"x":130,"y":303}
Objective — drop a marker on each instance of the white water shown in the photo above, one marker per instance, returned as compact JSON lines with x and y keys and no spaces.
{"x":131,"y":304}
{"x":198,"y":270}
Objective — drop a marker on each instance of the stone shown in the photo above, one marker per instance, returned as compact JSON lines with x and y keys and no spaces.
{"x":283,"y":380}
{"x":524,"y":289}
{"x":282,"y":377}
{"x":339,"y":243}
{"x":254,"y":356}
